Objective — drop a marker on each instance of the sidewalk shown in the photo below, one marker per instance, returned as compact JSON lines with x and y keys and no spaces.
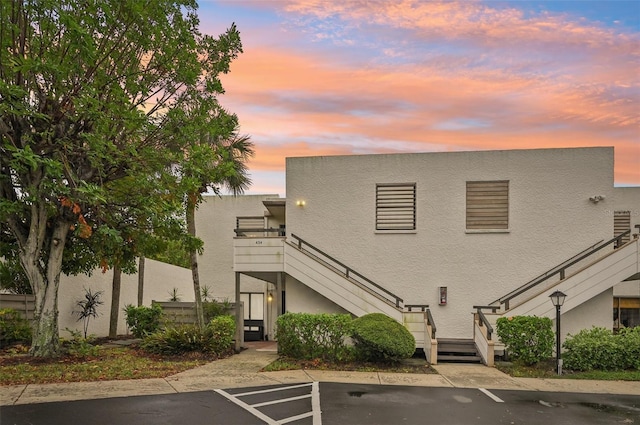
{"x":242,"y":370}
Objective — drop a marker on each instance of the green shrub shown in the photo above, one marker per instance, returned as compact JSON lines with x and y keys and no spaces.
{"x":13,"y":328}
{"x":143,"y":320}
{"x":314,"y":336}
{"x":213,"y":309}
{"x":630,"y":341}
{"x":79,"y":346}
{"x":378,"y":337}
{"x":215,"y":338}
{"x":223,"y":330}
{"x":528,"y":339}
{"x":599,"y":349}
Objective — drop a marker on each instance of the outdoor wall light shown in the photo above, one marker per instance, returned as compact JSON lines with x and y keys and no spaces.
{"x":301,"y":203}
{"x":596,"y":198}
{"x":269,"y":297}
{"x":557,"y":299}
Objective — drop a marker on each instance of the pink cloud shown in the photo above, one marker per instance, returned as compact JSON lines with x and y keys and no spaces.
{"x":521,"y":82}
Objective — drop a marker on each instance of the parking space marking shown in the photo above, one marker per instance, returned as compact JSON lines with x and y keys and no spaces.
{"x":255,"y":412}
{"x":253,"y":408}
{"x":491,"y":395}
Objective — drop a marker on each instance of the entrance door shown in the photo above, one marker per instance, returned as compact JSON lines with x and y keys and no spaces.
{"x":253,"y":315}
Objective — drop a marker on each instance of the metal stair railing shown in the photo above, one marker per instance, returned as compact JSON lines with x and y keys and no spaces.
{"x":560,"y":270}
{"x":348,"y":272}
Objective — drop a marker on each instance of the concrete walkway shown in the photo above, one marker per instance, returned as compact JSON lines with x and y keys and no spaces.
{"x":242,"y":370}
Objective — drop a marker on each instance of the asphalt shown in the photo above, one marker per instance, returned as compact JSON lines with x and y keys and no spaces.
{"x":243,"y":370}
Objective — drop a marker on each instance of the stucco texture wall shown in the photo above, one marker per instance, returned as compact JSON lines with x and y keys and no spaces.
{"x":215,"y":224}
{"x":160,"y":280}
{"x":550,"y":220}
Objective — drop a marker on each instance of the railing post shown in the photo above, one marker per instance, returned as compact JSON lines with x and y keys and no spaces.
{"x":562,"y":274}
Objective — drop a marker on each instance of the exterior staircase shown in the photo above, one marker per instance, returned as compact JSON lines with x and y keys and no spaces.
{"x":454,"y":350}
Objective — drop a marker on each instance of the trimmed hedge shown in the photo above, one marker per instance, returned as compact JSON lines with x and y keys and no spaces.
{"x":378,"y":337}
{"x":600,"y":349}
{"x":528,"y":339}
{"x":314,"y":336}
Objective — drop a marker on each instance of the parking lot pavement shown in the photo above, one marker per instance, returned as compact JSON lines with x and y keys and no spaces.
{"x":338,"y":403}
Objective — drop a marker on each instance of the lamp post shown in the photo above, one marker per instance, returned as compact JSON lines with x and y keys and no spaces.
{"x":557,"y":298}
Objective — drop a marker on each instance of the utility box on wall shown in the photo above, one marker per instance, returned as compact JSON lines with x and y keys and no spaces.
{"x":442,"y":295}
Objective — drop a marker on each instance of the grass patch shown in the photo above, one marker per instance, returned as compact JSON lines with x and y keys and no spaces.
{"x":413,"y":365}
{"x":109,"y":364}
{"x":547,"y":369}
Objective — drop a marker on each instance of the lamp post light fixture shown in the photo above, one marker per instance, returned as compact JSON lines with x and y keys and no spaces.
{"x":557,"y":298}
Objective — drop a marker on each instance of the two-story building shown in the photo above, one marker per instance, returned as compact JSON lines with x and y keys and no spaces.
{"x":472,"y":235}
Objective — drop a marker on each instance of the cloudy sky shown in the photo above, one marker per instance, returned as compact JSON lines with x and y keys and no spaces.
{"x":323,"y":77}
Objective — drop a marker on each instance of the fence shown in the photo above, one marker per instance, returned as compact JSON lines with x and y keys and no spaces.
{"x":24,"y":304}
{"x":181,"y":313}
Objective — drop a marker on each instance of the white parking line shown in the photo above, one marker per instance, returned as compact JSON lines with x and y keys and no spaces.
{"x":491,"y":395}
{"x":252,"y":408}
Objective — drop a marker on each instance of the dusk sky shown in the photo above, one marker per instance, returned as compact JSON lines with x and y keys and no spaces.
{"x":357,"y":77}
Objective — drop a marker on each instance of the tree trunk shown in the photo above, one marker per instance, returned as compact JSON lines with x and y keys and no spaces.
{"x":193,"y":256}
{"x":45,"y":280}
{"x":115,"y":301}
{"x":141,"y":280}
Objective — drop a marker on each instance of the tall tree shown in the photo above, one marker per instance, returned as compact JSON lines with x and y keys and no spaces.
{"x":87,"y":88}
{"x":212,"y":165}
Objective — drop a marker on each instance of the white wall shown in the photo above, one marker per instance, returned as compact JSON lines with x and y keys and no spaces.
{"x":598,"y":311}
{"x":550,"y":220}
{"x":302,"y":299}
{"x":627,"y":199}
{"x":215,"y":224}
{"x":160,"y":279}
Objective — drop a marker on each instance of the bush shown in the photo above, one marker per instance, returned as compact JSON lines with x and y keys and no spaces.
{"x":79,"y":346}
{"x":378,"y":337}
{"x":630,"y":341}
{"x":599,"y":349}
{"x":143,"y":320}
{"x":528,"y":339}
{"x":312,"y":336}
{"x":213,"y":309}
{"x":215,"y":338}
{"x":223,"y":330}
{"x":13,"y":328}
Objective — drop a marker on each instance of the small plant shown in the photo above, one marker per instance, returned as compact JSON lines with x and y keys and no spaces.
{"x":528,"y":339}
{"x":174,"y":295}
{"x":88,"y":308}
{"x":80,"y":346}
{"x":205,"y":293}
{"x":13,"y":328}
{"x":378,"y":337}
{"x":143,"y":320}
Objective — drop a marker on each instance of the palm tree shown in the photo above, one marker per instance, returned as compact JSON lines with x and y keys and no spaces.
{"x":230,"y":172}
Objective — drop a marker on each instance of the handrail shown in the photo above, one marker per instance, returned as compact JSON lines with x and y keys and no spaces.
{"x":559,"y":269}
{"x":422,"y":307}
{"x":431,"y":323}
{"x":493,"y":308}
{"x":240,"y":232}
{"x":349,"y":271}
{"x":483,"y":320}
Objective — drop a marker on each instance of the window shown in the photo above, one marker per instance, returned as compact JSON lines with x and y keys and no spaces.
{"x":396,"y":206}
{"x":488,"y":205}
{"x":622,"y":223}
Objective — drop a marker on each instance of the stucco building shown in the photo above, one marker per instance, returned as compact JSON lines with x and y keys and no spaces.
{"x":452,"y":231}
